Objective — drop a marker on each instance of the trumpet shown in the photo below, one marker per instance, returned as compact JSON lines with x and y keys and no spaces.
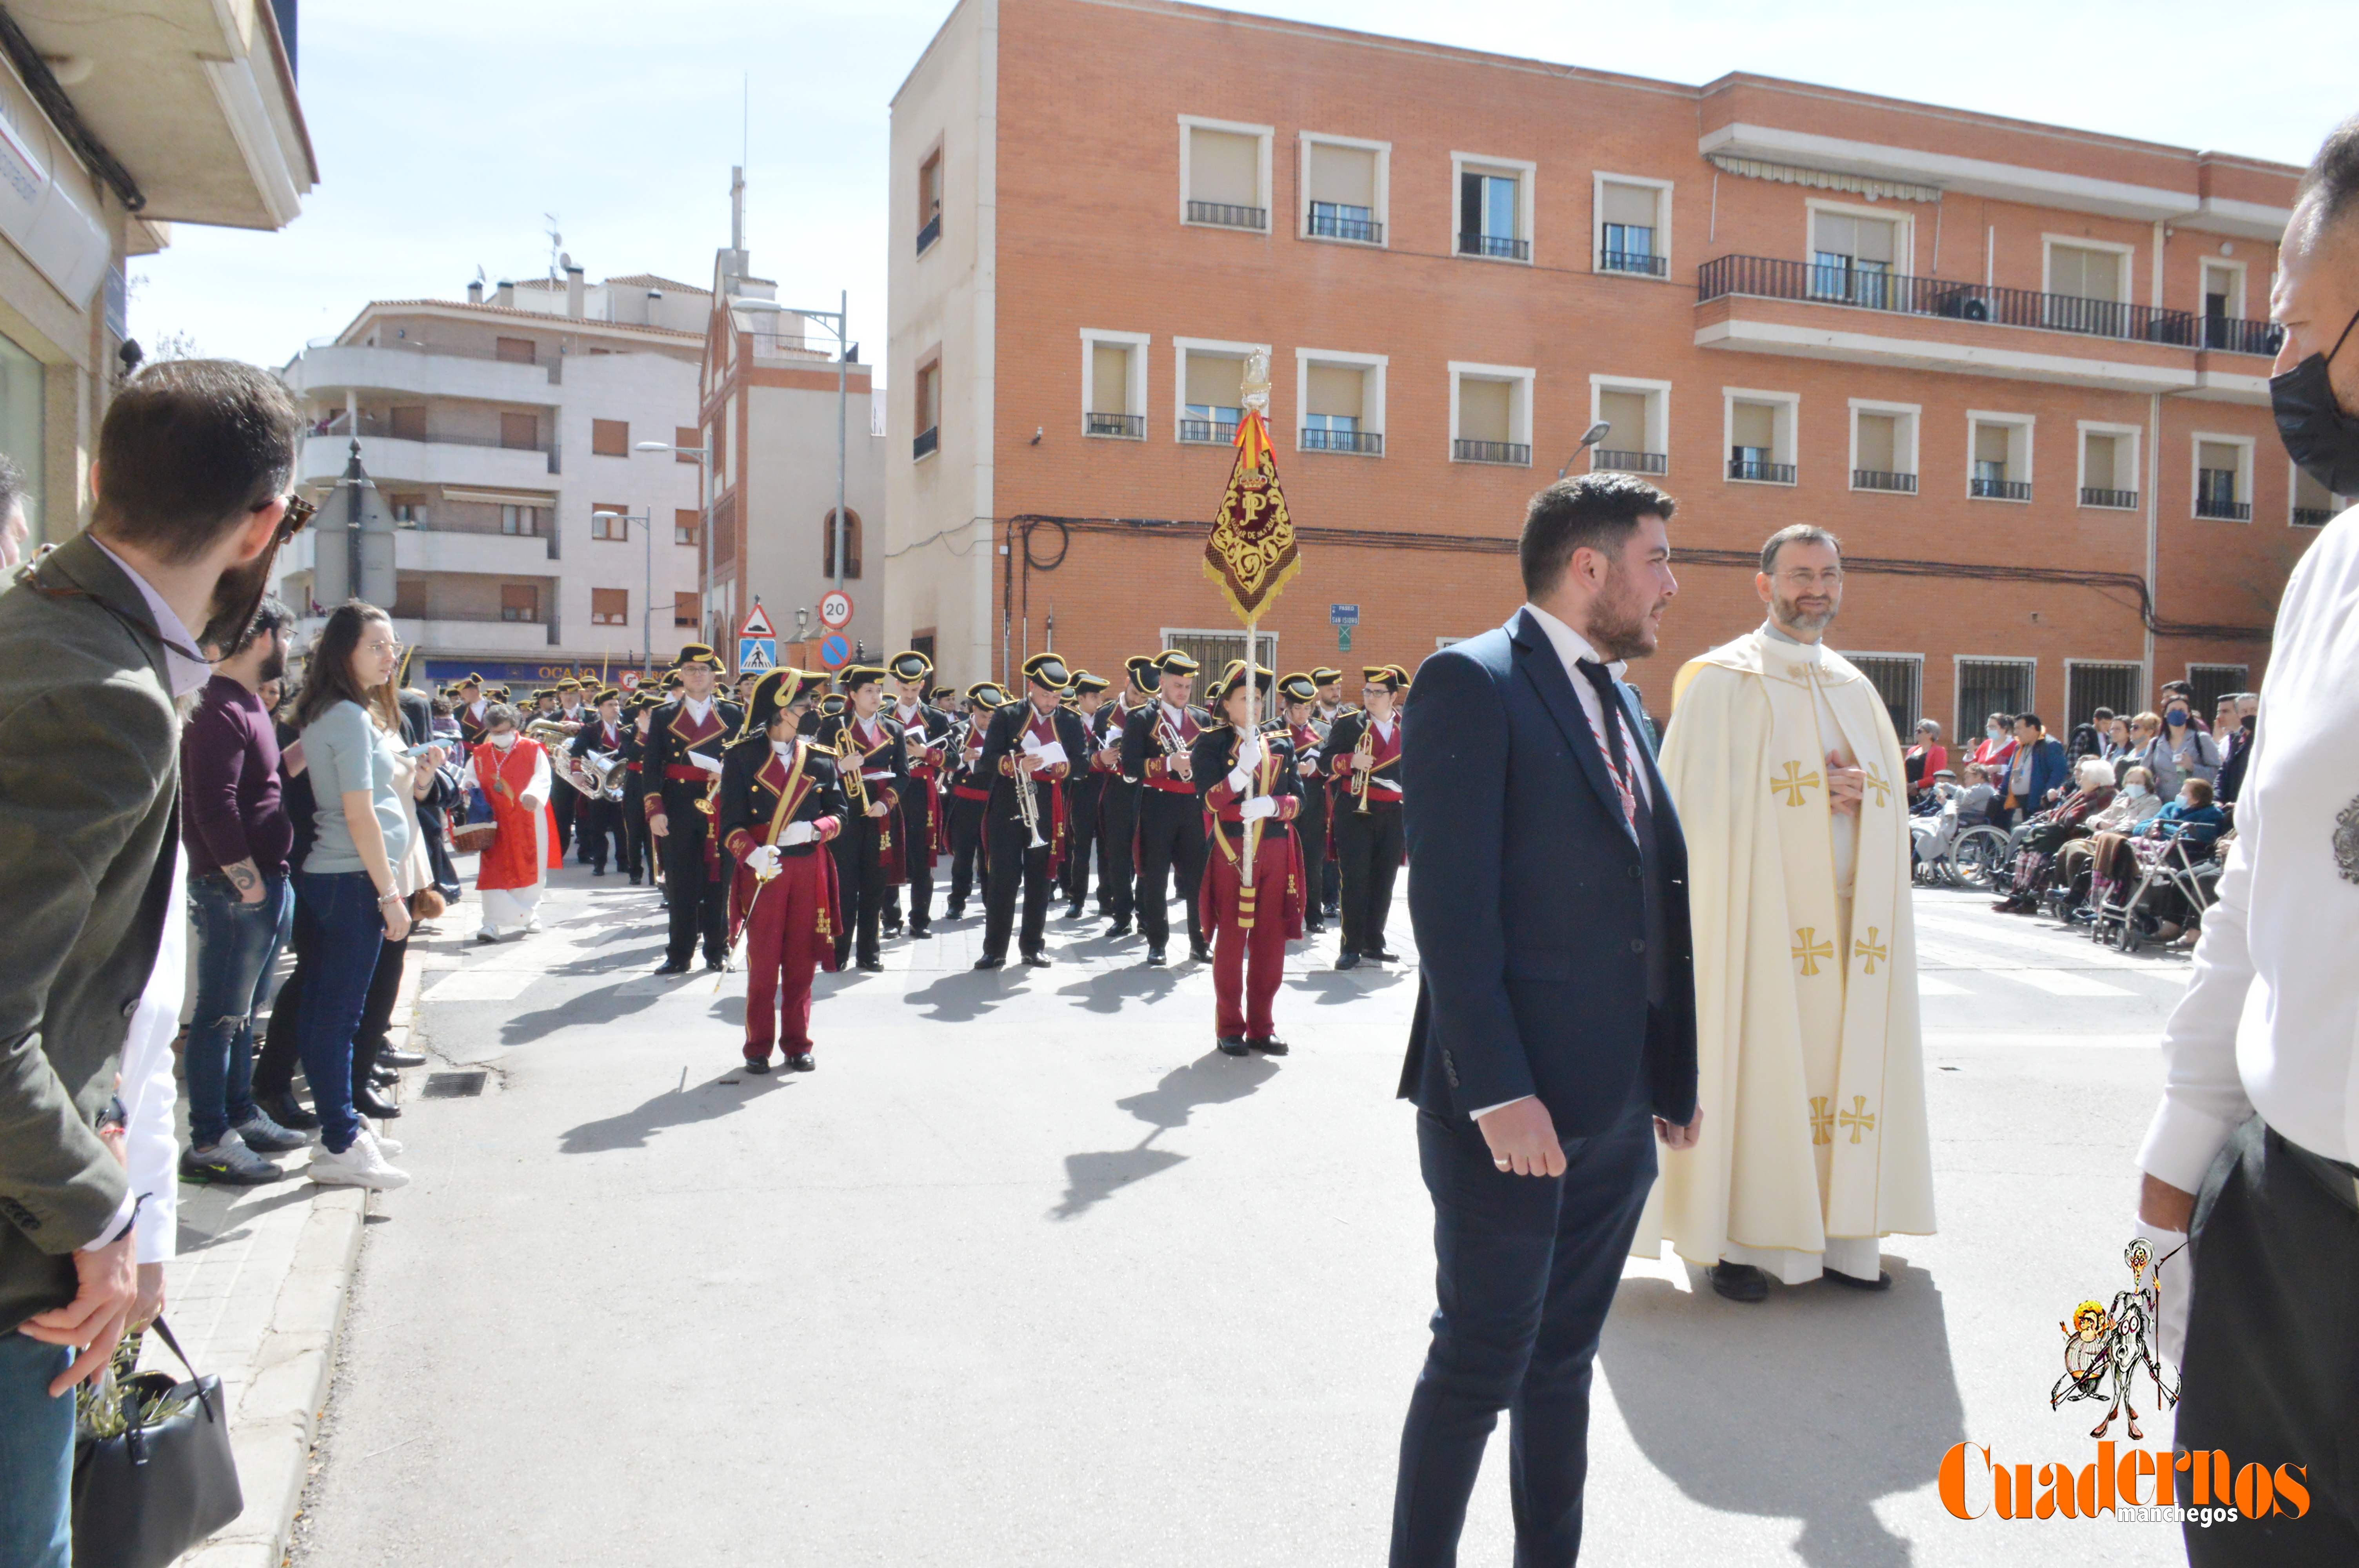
{"x":1363,"y":748}
{"x":1027,"y":804}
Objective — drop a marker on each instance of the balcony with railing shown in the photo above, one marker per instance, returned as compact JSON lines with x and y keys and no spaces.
{"x":1367,"y":443}
{"x":1517,"y":454}
{"x":1883,"y":478}
{"x":1208,"y":432}
{"x":1229,"y":215}
{"x":2215,"y":496}
{"x":2314,"y":516}
{"x":2109,"y":500}
{"x":1123,"y":426}
{"x":1643,"y":263}
{"x":1982,"y":489}
{"x":487,"y":464}
{"x":1327,"y":222}
{"x":1502,"y":246}
{"x":1623,"y":459}
{"x":1756,"y":471}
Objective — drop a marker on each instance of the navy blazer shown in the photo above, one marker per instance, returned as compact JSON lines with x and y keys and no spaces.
{"x":1525,"y":893}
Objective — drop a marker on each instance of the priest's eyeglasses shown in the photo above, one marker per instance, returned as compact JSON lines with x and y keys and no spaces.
{"x":1802,"y":577}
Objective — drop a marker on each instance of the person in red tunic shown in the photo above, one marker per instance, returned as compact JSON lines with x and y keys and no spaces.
{"x":1250,"y":793}
{"x":513,"y":774}
{"x":780,"y":805}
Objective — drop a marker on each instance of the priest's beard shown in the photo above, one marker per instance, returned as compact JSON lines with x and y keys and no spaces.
{"x":1621,"y":621}
{"x":236,"y":597}
{"x":1790,"y":614}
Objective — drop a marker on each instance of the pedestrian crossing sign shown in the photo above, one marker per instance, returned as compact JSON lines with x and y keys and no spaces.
{"x":756,"y":654}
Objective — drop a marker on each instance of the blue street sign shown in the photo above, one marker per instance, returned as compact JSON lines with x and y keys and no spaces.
{"x":755,"y":654}
{"x":1343,"y":614}
{"x":835,"y":650}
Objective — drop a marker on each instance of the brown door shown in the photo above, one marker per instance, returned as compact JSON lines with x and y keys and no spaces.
{"x":520,"y":430}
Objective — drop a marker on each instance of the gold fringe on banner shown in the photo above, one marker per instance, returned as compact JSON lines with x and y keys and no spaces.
{"x":1251,"y":552}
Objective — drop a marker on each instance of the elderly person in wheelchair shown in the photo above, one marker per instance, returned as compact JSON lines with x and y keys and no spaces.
{"x":2038,"y":841}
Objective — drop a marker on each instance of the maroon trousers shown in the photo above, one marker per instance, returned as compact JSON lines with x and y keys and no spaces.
{"x":780,"y":954}
{"x":1249,"y":965}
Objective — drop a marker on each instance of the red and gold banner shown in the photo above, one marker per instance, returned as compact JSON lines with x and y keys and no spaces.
{"x":1252,"y":553}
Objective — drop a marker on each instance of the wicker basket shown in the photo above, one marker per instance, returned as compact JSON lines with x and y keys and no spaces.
{"x":473,"y":837}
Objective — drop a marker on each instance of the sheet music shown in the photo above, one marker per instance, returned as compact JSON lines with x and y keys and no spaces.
{"x":1050,"y":754}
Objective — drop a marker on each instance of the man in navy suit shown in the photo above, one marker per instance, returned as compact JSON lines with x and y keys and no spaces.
{"x":1555,"y":1009}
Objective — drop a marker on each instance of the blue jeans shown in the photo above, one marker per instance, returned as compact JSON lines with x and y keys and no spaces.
{"x":236,"y":945}
{"x":347,"y":926}
{"x":36,"y":1454}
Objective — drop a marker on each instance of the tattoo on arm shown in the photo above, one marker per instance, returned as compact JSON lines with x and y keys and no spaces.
{"x":246,"y":878}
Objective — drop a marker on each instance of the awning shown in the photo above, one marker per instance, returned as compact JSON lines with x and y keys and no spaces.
{"x":1823,"y":179}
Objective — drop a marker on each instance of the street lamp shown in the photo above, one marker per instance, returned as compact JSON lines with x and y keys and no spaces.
{"x":647,"y":522}
{"x":1589,"y":438}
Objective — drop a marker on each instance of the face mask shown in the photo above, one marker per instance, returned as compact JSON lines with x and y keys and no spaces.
{"x":2136,"y":792}
{"x":2322,"y":441}
{"x":1994,"y":732}
{"x":504,"y":740}
{"x":2178,"y":717}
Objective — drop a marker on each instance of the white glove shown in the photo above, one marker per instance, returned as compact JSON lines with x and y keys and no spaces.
{"x":798,"y":833}
{"x":764,"y":860}
{"x":1239,"y":781}
{"x":702,"y":760}
{"x":1249,"y":749}
{"x":1259,"y":806}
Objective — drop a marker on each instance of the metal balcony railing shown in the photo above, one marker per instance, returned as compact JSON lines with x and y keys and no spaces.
{"x":2312,"y":516}
{"x":1368,"y":442}
{"x":1130,"y":425}
{"x":1761,"y":473}
{"x":1494,"y":245}
{"x":1772,"y":278}
{"x":1999,"y":489}
{"x":1228,"y":215}
{"x":930,"y":233}
{"x":1623,"y":461}
{"x":1640,"y":261}
{"x":1208,"y":432}
{"x":928,"y":440}
{"x":1518,"y":453}
{"x":1883,"y":479}
{"x":2114,"y":500}
{"x":2223,"y":508}
{"x":1331,"y":226}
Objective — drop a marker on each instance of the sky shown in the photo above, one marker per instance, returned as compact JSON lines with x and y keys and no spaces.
{"x":446,"y":133}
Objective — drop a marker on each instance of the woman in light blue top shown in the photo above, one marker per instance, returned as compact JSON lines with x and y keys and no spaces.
{"x":346,"y":893}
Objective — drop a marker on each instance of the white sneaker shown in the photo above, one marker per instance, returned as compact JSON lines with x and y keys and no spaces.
{"x":376,"y":1130}
{"x":360,"y":1165}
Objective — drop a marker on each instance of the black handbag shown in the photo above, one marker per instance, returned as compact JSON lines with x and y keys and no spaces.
{"x":148,"y":1494}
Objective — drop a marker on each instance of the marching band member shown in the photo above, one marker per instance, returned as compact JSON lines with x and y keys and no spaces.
{"x":875,"y":776}
{"x":471,"y":708}
{"x":925,"y":745}
{"x":1118,"y":796}
{"x":679,"y":771}
{"x":513,"y":774}
{"x":970,"y":790}
{"x":780,"y":805}
{"x":1026,"y":754}
{"x":1084,"y":794}
{"x":1327,"y":876}
{"x":1156,"y":744}
{"x":1298,"y":697}
{"x":598,"y":818}
{"x":1251,"y":795}
{"x":1363,"y":756}
{"x":642,"y":850}
{"x":568,"y":802}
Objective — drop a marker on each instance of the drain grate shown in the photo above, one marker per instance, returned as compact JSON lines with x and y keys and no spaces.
{"x":454,"y":1085}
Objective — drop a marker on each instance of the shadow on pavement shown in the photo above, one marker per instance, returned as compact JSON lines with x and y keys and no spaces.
{"x":1809,"y":1407}
{"x":1210,"y":1079}
{"x":1332,"y":988}
{"x":963,"y":994}
{"x":707,"y":1101}
{"x":604,"y":1006}
{"x":1107,"y":992}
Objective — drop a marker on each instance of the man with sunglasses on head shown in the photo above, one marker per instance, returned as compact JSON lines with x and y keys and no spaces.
{"x":100,"y":644}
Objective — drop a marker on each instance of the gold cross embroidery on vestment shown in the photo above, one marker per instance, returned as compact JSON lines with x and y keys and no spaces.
{"x":1822,"y":1119}
{"x":1793,"y":783}
{"x":1882,"y":787}
{"x":1871,"y":950}
{"x":1859,"y":1117}
{"x":1809,"y":949}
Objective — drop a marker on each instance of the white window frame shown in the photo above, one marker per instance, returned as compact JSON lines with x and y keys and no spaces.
{"x":1263,"y":192}
{"x":1382,"y":211}
{"x":1599,"y":180}
{"x":1904,"y":246}
{"x":2086,"y":429}
{"x":2047,"y":243}
{"x":1526,"y":175}
{"x":1519,"y":403}
{"x":1785,"y":432}
{"x":1372,"y":392}
{"x":1915,"y":414}
{"x":1212,"y":347}
{"x":2244,"y":476}
{"x":1657,"y":394}
{"x":2027,"y":424}
{"x":2204,"y":266}
{"x":2341,"y":503}
{"x":1134,"y":395}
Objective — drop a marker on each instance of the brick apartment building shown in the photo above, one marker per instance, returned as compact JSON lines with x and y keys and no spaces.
{"x":2019,"y":369}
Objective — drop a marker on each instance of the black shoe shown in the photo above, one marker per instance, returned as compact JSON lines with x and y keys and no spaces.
{"x":894,"y":929}
{"x":367,"y":1103}
{"x":284,"y":1110}
{"x":1882,"y":1282}
{"x":872,"y":966}
{"x":988,"y":962}
{"x":802,"y":1061}
{"x":1155,"y":958}
{"x":1267,"y":1045}
{"x":1199,"y":952}
{"x":669,"y":967}
{"x":760,"y":1069}
{"x":1119,"y":928}
{"x":954,"y":912}
{"x":1231,"y":1045}
{"x":597,"y":871}
{"x":716,"y":965}
{"x":1036,"y":960}
{"x":635,"y":879}
{"x":1314,"y":928}
{"x":386,"y":1056}
{"x":920,"y":933}
{"x":1740,"y":1282}
{"x":1073,"y":911}
{"x":383,"y":1077}
{"x":1347,"y":960}
{"x":1382,"y":955}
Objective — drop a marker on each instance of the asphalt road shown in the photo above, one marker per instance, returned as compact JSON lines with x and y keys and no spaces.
{"x":1027,"y":1273}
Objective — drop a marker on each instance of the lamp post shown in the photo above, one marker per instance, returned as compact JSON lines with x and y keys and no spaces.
{"x":647,"y":522}
{"x":1589,"y":438}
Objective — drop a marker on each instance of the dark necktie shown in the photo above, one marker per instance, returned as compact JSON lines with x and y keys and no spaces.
{"x":1611,"y":720}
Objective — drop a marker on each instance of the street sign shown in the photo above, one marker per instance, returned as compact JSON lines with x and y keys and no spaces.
{"x":1342,"y":639}
{"x":836,"y":609}
{"x":758,"y":624}
{"x":627,"y":681}
{"x":757,"y":644}
{"x":836,"y":648}
{"x":1343,"y":615}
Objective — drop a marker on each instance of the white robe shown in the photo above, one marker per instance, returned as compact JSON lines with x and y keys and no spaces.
{"x":1810,"y":1059}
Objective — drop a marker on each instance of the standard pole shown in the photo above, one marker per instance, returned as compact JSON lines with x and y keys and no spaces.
{"x":842,"y":371}
{"x":647,"y":610}
{"x":704,"y":534}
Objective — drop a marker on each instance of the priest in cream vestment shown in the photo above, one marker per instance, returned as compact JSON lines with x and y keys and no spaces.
{"x":1787,"y":773}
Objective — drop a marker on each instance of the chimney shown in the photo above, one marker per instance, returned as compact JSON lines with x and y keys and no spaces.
{"x":475,"y":292}
{"x":574,"y":291}
{"x":504,"y":294}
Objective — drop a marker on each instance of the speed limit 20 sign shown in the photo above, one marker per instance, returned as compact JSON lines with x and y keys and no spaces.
{"x":836,"y":609}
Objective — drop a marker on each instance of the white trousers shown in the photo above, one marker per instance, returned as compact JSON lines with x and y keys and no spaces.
{"x":510,"y":910}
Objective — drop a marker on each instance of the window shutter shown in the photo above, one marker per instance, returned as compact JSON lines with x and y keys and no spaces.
{"x":1345,"y":176}
{"x":1337,"y":389}
{"x":1879,"y":443}
{"x":1627,"y":412}
{"x":1755,"y":424}
{"x":1631,"y":204}
{"x":1223,"y":165}
{"x":1216,"y":381}
{"x":520,"y":430}
{"x":1484,"y":410}
{"x":1109,"y":379}
{"x":516,"y":350}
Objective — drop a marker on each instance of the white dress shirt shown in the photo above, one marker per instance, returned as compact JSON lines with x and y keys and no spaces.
{"x":2271,"y":1021}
